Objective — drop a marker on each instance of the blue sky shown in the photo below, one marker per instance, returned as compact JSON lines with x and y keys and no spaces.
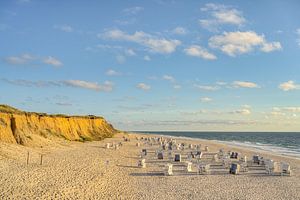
{"x":155,"y":65}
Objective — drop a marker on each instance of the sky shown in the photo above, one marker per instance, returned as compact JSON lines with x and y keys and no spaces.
{"x":155,"y":65}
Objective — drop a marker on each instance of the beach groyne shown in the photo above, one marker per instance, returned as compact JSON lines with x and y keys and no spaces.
{"x":27,"y":128}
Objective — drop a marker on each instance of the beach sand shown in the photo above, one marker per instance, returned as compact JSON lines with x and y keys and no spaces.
{"x":74,"y":170}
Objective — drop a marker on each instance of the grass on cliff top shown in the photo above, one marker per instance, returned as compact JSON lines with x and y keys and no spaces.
{"x":12,"y":110}
{"x":9,"y":109}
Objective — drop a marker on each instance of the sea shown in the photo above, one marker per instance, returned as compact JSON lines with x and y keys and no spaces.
{"x":283,"y":143}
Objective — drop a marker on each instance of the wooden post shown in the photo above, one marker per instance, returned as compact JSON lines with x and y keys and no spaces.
{"x":41,"y":159}
{"x":27,"y":158}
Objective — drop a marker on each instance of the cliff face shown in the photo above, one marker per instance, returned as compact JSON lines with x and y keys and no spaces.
{"x":23,"y":128}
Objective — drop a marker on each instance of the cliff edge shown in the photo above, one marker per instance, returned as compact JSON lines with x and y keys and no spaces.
{"x":32,"y":129}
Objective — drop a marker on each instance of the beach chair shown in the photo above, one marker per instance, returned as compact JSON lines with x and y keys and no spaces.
{"x":234,"y":155}
{"x":206,"y":148}
{"x":234,"y":168}
{"x":142,"y":163}
{"x":177,"y":158}
{"x":256,"y":159}
{"x":168,"y":170}
{"x":189,"y":166}
{"x":138,"y":144}
{"x":244,"y":164}
{"x":199,"y":155}
{"x":160,"y":156}
{"x":204,"y":169}
{"x":170,"y":157}
{"x":116,"y":146}
{"x":107,"y":145}
{"x":215,"y":158}
{"x":221,"y":153}
{"x":244,"y":159}
{"x":198,"y":147}
{"x":286,"y":169}
{"x":191,"y":146}
{"x":144,"y":152}
{"x":272,"y":167}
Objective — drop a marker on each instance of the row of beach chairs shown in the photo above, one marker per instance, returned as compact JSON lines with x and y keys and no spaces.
{"x":233,"y":161}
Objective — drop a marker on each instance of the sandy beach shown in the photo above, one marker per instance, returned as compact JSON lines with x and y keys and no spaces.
{"x":76,"y":170}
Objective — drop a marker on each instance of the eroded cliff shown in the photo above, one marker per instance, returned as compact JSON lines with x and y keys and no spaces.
{"x":35,"y":128}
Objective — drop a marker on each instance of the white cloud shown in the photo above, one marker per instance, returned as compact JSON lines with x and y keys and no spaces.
{"x":158,"y":45}
{"x":221,"y":15}
{"x":272,"y":46}
{"x":169,"y":78}
{"x":206,"y":87}
{"x":292,"y":109}
{"x":276,"y":113}
{"x":107,"y":86}
{"x":52,"y":61}
{"x":243,"y":111}
{"x":289,"y":85}
{"x":19,"y":60}
{"x":179,"y":31}
{"x":133,"y":10}
{"x":285,"y":111}
{"x":147,"y":58}
{"x":143,"y":86}
{"x":177,"y":87}
{"x":29,"y":59}
{"x":200,"y":52}
{"x":234,"y":43}
{"x":205,"y":99}
{"x":244,"y":84}
{"x":111,"y":72}
{"x":64,"y":28}
{"x":130,"y":52}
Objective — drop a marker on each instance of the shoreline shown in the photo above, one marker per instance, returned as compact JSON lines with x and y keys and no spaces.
{"x":251,"y":146}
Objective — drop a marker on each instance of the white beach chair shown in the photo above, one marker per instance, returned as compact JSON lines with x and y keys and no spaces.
{"x":206,"y":148}
{"x":286,"y":169}
{"x":226,"y":161}
{"x":244,"y":159}
{"x":221,"y":153}
{"x":107,"y":145}
{"x":215,"y":158}
{"x":204,"y":169}
{"x":169,"y":170}
{"x":272,"y":167}
{"x":142,"y":163}
{"x":189,"y":166}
